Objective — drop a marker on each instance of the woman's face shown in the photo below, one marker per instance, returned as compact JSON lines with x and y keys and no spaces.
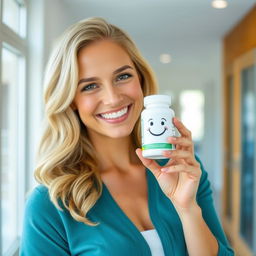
{"x":109,"y":97}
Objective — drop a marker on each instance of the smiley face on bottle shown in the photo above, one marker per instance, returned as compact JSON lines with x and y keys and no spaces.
{"x":157,"y":127}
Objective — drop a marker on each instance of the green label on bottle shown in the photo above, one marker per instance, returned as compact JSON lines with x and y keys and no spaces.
{"x":158,"y":146}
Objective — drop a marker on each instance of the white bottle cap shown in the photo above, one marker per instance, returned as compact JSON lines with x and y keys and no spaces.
{"x":157,"y":99}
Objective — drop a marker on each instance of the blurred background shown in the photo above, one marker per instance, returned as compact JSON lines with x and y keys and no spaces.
{"x":204,"y":55}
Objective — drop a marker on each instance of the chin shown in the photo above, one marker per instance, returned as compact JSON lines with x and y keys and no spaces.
{"x":119,"y":133}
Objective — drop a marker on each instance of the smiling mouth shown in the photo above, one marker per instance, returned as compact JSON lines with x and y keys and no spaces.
{"x":115,"y":115}
{"x":159,"y":134}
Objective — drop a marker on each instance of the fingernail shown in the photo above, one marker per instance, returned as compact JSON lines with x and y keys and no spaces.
{"x":166,"y":152}
{"x":169,"y":152}
{"x":164,"y":169}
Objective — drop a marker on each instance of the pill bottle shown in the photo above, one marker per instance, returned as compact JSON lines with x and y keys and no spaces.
{"x":156,"y":126}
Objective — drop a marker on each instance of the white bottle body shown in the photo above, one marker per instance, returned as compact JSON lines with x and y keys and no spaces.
{"x":156,"y":127}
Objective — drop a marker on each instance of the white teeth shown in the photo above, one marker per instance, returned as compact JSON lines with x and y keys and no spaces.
{"x":114,"y":115}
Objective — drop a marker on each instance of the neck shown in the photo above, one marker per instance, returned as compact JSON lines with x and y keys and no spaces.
{"x":114,"y":153}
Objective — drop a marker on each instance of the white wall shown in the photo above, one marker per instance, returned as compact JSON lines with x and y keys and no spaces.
{"x":57,"y":19}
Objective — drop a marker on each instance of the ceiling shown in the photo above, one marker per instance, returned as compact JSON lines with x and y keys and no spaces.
{"x":165,"y":26}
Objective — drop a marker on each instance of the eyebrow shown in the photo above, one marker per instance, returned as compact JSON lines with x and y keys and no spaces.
{"x":91,"y":79}
{"x":164,"y":119}
{"x":122,"y":69}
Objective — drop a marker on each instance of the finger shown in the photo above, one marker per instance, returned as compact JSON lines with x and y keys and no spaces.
{"x":171,"y":162}
{"x":174,"y":161}
{"x":182,"y":141}
{"x":149,"y":163}
{"x":180,"y":154}
{"x":189,"y":169}
{"x":181,"y":128}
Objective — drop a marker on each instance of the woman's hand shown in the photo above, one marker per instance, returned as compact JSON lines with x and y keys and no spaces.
{"x":179,"y":178}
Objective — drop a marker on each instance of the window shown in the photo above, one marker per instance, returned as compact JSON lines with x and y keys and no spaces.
{"x":229,"y":184}
{"x":192,"y":112}
{"x":14,"y":16}
{"x":12,"y":122}
{"x":248,"y":156}
{"x":11,"y":68}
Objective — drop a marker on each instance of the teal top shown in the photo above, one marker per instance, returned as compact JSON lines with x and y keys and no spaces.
{"x":50,"y":231}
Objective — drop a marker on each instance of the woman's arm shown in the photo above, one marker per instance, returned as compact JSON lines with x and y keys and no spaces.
{"x":199,"y":239}
{"x":201,"y":226}
{"x":208,"y":215}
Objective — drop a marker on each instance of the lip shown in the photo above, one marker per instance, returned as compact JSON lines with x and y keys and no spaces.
{"x":116,"y":120}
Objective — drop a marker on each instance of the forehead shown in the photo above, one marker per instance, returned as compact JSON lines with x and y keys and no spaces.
{"x":101,"y":55}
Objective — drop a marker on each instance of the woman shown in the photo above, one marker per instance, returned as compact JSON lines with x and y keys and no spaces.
{"x":96,"y":197}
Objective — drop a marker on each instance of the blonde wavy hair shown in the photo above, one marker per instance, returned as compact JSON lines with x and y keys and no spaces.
{"x":66,"y":161}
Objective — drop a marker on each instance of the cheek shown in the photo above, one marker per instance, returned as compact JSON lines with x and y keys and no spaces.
{"x":85,"y":105}
{"x":135,"y":91}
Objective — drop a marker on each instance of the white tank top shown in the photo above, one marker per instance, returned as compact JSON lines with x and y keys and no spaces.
{"x":154,"y":242}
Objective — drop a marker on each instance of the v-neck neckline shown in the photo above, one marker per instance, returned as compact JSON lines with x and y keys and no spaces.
{"x":152,"y":208}
{"x":120,"y":210}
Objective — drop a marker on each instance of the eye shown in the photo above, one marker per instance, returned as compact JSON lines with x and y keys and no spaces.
{"x":123,"y":77}
{"x":89,"y":87}
{"x":162,"y":123}
{"x":151,"y":123}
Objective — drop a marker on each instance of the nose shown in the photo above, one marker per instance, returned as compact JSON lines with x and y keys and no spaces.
{"x":112,"y":96}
